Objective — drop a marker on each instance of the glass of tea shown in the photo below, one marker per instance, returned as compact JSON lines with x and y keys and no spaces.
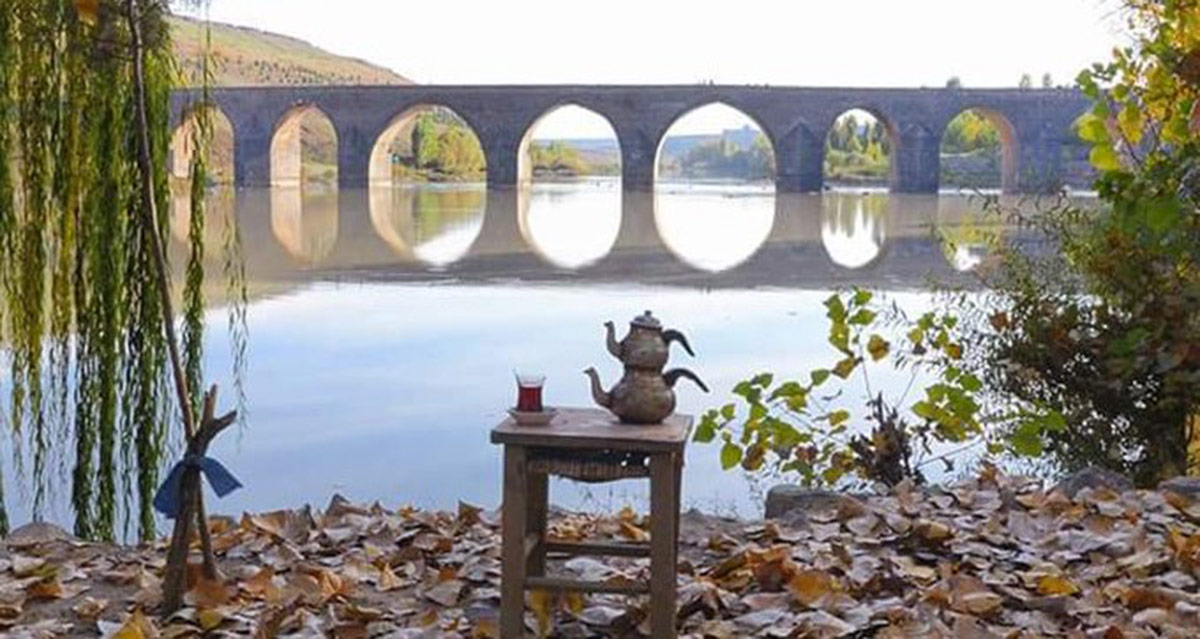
{"x":529,"y":392}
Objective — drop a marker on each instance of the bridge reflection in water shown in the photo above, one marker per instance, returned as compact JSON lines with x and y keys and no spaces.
{"x":703,"y":237}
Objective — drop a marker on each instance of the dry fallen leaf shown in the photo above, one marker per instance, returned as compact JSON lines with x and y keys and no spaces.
{"x":810,"y":586}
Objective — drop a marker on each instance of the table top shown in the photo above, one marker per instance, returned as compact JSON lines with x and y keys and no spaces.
{"x":594,"y":428}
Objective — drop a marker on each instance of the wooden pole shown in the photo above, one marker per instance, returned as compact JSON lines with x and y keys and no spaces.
{"x":192,"y":497}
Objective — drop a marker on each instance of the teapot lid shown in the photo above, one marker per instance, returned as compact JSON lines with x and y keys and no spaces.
{"x":647,"y":320}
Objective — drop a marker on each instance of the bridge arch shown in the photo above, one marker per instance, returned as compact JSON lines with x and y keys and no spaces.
{"x":955,"y":137}
{"x":395,"y":153}
{"x":221,"y":142}
{"x":598,"y":125}
{"x":873,"y":126}
{"x":716,"y":112}
{"x":303,"y":130}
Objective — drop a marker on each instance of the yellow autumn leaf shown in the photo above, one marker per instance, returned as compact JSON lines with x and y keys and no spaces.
{"x":846,"y":366}
{"x":209,"y":618}
{"x":573,"y":601}
{"x":1054,"y":585}
{"x":633,"y":533}
{"x":89,"y":10}
{"x":137,"y":626}
{"x":878,"y":347}
{"x":541,"y":602}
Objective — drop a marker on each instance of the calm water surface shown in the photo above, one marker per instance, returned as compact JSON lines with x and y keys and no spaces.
{"x":385,"y":323}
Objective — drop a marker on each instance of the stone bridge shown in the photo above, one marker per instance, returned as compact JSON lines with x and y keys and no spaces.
{"x":1039,"y":150}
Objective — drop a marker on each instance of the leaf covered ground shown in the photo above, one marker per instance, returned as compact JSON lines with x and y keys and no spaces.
{"x":996,"y":556}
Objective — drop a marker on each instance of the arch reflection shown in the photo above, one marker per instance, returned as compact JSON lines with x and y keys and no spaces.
{"x":571,"y":225}
{"x":219,"y":220}
{"x":436,"y":225}
{"x":305,"y":220}
{"x":714,"y":233}
{"x":854,"y":227}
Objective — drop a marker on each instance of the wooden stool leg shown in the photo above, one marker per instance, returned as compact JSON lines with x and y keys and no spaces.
{"x":663,"y":539}
{"x":678,"y":491}
{"x":513,"y":526}
{"x":535,"y":522}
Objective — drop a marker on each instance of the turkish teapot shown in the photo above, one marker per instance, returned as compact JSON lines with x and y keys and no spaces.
{"x":645,"y":394}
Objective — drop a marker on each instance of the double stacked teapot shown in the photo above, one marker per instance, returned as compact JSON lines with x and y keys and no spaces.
{"x":645,"y":394}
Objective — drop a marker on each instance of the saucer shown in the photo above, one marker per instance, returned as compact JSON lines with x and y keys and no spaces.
{"x":526,"y":418}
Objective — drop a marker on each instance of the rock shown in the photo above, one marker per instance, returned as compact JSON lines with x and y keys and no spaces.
{"x":37,"y":533}
{"x":1187,"y":486}
{"x":1093,"y":477}
{"x":786,"y":498}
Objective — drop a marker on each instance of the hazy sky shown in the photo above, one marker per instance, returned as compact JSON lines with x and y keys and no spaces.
{"x":782,"y":42}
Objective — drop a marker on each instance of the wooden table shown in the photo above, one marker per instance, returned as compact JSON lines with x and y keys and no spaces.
{"x":589,"y":445}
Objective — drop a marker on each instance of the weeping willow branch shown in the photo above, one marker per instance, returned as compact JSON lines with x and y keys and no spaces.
{"x":87,"y":325}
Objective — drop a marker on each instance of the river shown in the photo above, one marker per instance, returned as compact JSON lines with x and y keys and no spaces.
{"x":385,"y":325}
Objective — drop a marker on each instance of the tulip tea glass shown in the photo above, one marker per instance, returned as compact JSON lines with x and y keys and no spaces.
{"x":529,"y":392}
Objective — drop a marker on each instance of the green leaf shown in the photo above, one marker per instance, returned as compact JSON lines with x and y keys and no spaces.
{"x":762,"y":379}
{"x":731,"y":455}
{"x":970,"y":383}
{"x":1027,"y":440}
{"x":837,"y":310}
{"x":1104,"y":158}
{"x":819,"y":376}
{"x":831,"y":475}
{"x":1130,"y":120}
{"x":707,"y":430}
{"x":862,"y":296}
{"x":862,"y":317}
{"x":925,"y":410}
{"x":1163,"y":214}
{"x":878,"y":347}
{"x":1092,"y":129}
{"x":839,"y":337}
{"x":839,"y":417}
{"x":728,"y":411}
{"x":757,"y":412}
{"x":788,"y":390}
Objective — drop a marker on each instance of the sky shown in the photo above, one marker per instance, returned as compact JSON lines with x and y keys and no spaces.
{"x":870,"y":43}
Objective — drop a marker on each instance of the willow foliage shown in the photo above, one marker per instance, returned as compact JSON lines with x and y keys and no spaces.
{"x":80,"y":319}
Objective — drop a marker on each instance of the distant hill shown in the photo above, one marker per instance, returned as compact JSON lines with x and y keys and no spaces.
{"x":242,"y":56}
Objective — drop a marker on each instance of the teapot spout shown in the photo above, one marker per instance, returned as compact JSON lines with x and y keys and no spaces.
{"x":614,"y":346}
{"x":673,"y":376}
{"x":673,"y":335}
{"x":599,"y":395}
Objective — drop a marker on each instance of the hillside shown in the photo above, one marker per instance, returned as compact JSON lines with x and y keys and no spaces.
{"x":243,"y":56}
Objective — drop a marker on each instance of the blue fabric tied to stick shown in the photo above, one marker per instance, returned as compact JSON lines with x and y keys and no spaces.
{"x":166,"y":500}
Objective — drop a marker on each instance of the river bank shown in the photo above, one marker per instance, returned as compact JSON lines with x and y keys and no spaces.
{"x":993,"y":556}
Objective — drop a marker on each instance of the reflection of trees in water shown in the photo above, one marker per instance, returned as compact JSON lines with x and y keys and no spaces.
{"x":305,"y":220}
{"x":419,"y":221}
{"x":967,"y":231}
{"x":854,"y":227}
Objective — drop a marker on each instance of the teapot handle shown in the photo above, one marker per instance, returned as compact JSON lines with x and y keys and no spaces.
{"x":672,"y":335}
